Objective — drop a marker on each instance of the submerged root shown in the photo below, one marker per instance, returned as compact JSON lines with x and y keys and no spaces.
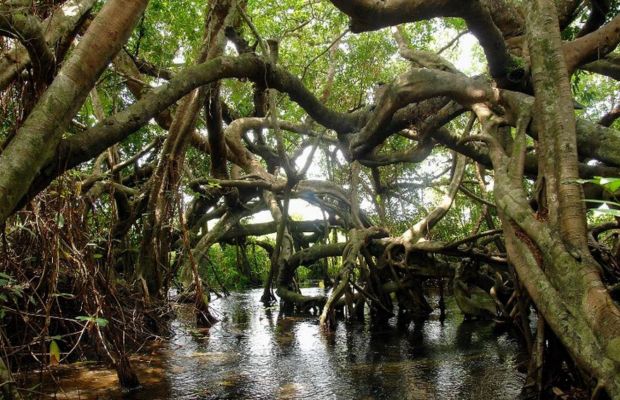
{"x":204,"y":317}
{"x":358,"y":239}
{"x":127,"y":378}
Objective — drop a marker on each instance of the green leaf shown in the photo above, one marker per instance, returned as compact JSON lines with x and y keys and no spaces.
{"x":611,"y":184}
{"x":102,"y":322}
{"x":54,"y":353}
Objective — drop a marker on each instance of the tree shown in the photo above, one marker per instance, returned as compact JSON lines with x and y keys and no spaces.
{"x":216,"y":116}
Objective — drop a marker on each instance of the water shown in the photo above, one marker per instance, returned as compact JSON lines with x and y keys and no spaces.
{"x":255,"y":353}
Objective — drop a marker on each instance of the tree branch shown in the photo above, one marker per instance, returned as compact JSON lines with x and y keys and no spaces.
{"x":592,"y":46}
{"x":59,"y":25}
{"x":25,"y":27}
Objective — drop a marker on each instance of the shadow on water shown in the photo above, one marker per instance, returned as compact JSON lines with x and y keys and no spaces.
{"x":256,"y":353}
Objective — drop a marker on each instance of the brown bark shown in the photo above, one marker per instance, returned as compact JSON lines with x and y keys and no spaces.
{"x":358,"y":239}
{"x":36,"y":141}
{"x":550,"y":252}
{"x":18,"y":23}
{"x":370,"y":15}
{"x":608,"y":66}
{"x":593,"y":46}
{"x":609,"y":118}
{"x":61,"y":23}
{"x":555,"y":121}
{"x":164,"y":183}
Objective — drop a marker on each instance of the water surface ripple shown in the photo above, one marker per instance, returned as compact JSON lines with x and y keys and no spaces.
{"x":255,"y":353}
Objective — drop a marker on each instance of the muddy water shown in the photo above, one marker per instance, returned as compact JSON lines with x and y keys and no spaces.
{"x":255,"y":353}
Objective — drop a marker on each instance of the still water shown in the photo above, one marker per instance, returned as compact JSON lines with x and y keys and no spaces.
{"x":255,"y":353}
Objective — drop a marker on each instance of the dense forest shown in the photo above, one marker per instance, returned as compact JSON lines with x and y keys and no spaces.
{"x":155,"y":152}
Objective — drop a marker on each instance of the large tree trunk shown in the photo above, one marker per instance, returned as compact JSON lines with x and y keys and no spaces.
{"x":36,"y":141}
{"x":549,"y":249}
{"x":164,"y":183}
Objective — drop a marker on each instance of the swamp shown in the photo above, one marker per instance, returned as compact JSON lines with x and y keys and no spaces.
{"x":309,"y":199}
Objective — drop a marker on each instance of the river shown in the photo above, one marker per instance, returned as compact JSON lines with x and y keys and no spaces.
{"x":255,"y":353}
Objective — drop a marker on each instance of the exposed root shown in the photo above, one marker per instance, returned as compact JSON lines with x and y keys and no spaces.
{"x":358,"y":239}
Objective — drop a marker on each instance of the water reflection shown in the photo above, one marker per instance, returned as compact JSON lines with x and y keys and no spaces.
{"x":256,"y":353}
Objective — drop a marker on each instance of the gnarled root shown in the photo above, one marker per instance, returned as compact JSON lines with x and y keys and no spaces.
{"x":127,"y":378}
{"x":204,"y":317}
{"x":358,"y":239}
